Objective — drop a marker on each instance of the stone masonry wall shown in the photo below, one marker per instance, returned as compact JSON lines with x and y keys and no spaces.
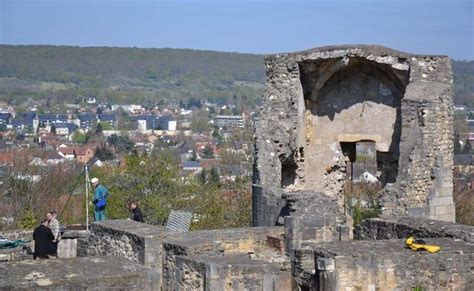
{"x":229,"y":273}
{"x":223,"y":244}
{"x":289,"y":151}
{"x":388,"y":265}
{"x":135,"y":241}
{"x":380,"y":229}
{"x":94,"y":273}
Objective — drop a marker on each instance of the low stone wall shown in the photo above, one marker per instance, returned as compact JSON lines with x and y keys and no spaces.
{"x":229,"y":273}
{"x":212,"y":244}
{"x":135,"y":241}
{"x":388,"y":265}
{"x":14,"y":254}
{"x":18,"y":234}
{"x":378,"y":229}
{"x":303,"y":268}
{"x":94,"y":273}
{"x":67,"y":246}
{"x":315,"y":217}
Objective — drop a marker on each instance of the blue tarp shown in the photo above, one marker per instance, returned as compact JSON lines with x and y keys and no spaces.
{"x":10,"y":244}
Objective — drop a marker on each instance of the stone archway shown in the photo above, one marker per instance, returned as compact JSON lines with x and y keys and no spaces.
{"x":350,"y":100}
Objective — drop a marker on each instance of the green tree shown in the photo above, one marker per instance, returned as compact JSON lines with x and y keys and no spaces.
{"x":208,"y":152}
{"x":120,"y":143}
{"x":28,"y":220}
{"x":99,"y":129}
{"x":202,"y":176}
{"x":79,"y":137}
{"x":105,"y":125}
{"x":103,"y":153}
{"x":200,"y":121}
{"x":214,"y":176}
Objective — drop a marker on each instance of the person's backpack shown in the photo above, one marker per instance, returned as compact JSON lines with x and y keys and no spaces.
{"x":101,"y":203}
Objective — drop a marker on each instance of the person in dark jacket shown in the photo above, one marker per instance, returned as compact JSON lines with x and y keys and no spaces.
{"x":43,"y":241}
{"x":137,"y":214}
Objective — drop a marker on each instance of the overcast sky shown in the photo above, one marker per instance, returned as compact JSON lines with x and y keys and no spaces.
{"x":259,"y":26}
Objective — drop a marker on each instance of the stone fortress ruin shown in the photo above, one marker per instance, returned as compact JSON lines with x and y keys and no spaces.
{"x":334,"y":113}
{"x":332,"y":117}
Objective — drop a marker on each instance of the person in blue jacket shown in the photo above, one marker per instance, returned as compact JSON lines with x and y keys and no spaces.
{"x":100,"y":199}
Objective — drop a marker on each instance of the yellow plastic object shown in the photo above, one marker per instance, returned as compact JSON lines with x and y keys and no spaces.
{"x":411,"y":243}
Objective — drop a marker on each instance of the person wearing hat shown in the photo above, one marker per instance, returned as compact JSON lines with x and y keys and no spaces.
{"x":100,"y":199}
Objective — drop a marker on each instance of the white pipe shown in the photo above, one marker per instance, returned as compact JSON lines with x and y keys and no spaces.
{"x":87,"y":197}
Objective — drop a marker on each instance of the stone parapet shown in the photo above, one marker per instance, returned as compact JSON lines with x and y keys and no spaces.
{"x":229,"y":273}
{"x":138,"y":242}
{"x":93,"y":273}
{"x":380,"y":229}
{"x":386,"y":265}
{"x":18,"y":234}
{"x":249,"y":243}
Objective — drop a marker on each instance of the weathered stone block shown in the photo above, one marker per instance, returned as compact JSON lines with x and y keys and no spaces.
{"x":379,"y":229}
{"x":389,"y":265}
{"x":247,"y":242}
{"x":229,"y":273}
{"x":93,"y":273}
{"x":445,"y":209}
{"x":441,"y":200}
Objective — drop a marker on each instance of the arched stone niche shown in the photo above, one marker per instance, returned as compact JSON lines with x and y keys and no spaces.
{"x":349,"y":101}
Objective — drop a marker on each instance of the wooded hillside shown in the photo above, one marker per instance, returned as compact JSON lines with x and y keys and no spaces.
{"x":124,"y":75}
{"x":127,"y":74}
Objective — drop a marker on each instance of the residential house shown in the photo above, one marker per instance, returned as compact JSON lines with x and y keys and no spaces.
{"x":130,"y":108}
{"x":192,"y":166}
{"x":25,"y":122}
{"x":229,"y":121}
{"x":147,"y":122}
{"x":91,"y":100}
{"x":108,"y":118}
{"x":48,"y":139}
{"x":84,"y":154}
{"x":87,"y":121}
{"x":5,"y":118}
{"x":45,"y":120}
{"x":65,"y":128}
{"x":201,"y":148}
{"x":230,"y":172}
{"x":53,"y":158}
{"x":66,"y":152}
{"x":81,"y":154}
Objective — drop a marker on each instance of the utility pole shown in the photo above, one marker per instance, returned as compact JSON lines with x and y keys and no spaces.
{"x":86,"y":170}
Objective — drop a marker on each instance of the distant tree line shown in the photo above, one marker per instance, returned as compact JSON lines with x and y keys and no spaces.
{"x":121,"y":75}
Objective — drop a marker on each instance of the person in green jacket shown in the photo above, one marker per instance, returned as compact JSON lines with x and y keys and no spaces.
{"x":100,"y":199}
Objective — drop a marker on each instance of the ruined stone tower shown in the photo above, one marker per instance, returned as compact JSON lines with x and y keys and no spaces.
{"x":339,"y":113}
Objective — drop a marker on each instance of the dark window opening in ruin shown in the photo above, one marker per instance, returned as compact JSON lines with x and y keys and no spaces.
{"x":349,"y":150}
{"x":288,"y":172}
